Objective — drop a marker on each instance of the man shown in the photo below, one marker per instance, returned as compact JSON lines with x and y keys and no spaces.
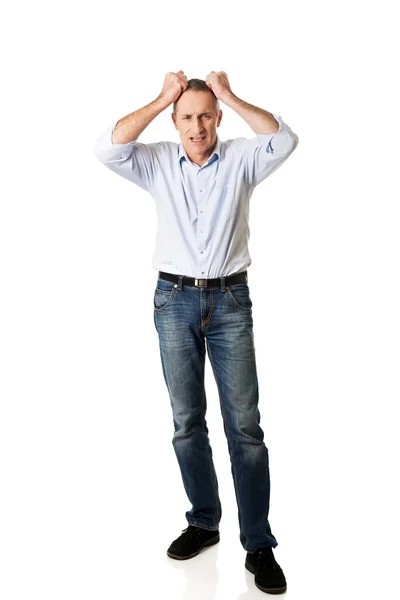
{"x":202,"y":188}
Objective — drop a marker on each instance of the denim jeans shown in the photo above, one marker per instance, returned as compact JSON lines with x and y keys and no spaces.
{"x":189,"y":319}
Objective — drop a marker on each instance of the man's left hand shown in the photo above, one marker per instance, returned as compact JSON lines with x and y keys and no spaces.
{"x":219,"y":84}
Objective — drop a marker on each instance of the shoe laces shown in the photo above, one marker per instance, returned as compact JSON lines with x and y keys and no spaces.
{"x":265,"y":559}
{"x":192,"y":531}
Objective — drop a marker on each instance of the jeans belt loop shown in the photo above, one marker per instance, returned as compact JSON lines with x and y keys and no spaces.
{"x":179,"y":284}
{"x":223,"y":289}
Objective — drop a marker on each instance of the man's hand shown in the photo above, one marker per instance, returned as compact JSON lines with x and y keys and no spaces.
{"x":219,"y":84}
{"x":174,"y":85}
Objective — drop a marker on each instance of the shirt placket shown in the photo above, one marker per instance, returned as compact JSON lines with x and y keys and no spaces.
{"x":201,"y":221}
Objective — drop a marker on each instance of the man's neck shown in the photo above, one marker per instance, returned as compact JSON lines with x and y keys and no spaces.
{"x":201,"y":159}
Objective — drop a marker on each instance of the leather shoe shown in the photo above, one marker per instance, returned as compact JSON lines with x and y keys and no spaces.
{"x":191,"y":541}
{"x":269,"y":576}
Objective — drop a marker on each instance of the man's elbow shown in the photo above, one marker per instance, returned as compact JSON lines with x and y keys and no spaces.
{"x":289,"y":143}
{"x":112,"y":154}
{"x":105,"y":155}
{"x":294,"y":141}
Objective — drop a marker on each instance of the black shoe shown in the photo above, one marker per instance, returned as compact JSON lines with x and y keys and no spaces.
{"x":269,"y":576}
{"x":192,"y":540}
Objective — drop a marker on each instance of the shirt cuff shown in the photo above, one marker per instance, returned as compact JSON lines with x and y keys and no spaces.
{"x":105,"y":150}
{"x":111,"y":130}
{"x":281,"y":128}
{"x":265,"y":138}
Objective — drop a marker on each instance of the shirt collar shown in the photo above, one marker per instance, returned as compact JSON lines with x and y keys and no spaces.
{"x":216,"y":152}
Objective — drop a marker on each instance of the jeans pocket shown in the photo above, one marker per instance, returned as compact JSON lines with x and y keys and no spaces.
{"x":239,"y":295}
{"x":163,"y":294}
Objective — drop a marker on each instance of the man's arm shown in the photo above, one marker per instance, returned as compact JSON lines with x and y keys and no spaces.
{"x":117,"y":147}
{"x":261,"y":121}
{"x":274,"y":141}
{"x":130,"y":127}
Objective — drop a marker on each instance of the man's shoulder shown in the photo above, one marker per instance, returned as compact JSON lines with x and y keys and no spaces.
{"x":234,"y":145}
{"x":161,"y":145}
{"x":237,"y":140}
{"x":162,"y":150}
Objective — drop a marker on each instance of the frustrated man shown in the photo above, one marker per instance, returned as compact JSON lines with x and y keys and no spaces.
{"x":202,"y":189}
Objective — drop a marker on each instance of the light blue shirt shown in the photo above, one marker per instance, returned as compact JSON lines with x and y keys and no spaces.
{"x":203,"y":212}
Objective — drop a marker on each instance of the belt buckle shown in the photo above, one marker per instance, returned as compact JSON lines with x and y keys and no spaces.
{"x":200,"y":284}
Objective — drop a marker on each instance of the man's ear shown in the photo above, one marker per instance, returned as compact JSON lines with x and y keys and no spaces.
{"x":173,"y":115}
{"x":219,"y":117}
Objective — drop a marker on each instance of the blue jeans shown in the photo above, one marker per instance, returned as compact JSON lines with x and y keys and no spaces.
{"x":188,"y":319}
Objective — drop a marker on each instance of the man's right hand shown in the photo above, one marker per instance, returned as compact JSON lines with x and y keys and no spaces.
{"x":174,"y":85}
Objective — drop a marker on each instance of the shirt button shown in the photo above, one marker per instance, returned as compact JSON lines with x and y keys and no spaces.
{"x":201,"y":211}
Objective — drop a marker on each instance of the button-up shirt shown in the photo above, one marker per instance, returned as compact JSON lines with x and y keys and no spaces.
{"x":202,"y":211}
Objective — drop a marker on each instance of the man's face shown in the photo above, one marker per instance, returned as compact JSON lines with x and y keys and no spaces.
{"x":196,"y":118}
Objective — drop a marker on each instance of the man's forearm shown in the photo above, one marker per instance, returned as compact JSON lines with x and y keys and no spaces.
{"x":130,"y":127}
{"x":261,"y":121}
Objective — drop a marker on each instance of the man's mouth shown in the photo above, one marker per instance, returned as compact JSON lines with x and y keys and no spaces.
{"x":198,"y":140}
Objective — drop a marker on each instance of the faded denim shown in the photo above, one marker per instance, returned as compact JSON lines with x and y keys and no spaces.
{"x":189,"y":320}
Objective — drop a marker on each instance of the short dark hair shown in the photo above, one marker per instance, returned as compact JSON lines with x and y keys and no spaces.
{"x":199,"y":85}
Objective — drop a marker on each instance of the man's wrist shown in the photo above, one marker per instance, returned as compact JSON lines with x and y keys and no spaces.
{"x":227,"y":97}
{"x":161,"y":103}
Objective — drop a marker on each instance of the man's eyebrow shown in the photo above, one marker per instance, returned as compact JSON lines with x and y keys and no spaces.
{"x":201,"y":114}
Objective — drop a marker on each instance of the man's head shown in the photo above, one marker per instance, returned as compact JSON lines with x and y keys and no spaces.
{"x":197,"y":115}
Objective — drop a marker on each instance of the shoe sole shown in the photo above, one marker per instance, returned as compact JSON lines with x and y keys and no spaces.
{"x":210,"y":542}
{"x":280,"y":590}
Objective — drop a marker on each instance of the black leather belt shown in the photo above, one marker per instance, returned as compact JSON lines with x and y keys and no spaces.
{"x":208,"y":283}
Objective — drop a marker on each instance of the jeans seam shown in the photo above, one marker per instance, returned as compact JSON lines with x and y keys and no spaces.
{"x":211,"y":308}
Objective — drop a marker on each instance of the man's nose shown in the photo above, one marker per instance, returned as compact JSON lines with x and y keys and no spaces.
{"x":198,"y":126}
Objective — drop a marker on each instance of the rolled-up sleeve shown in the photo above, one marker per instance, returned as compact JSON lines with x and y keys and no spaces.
{"x":266,"y":152}
{"x":134,"y":161}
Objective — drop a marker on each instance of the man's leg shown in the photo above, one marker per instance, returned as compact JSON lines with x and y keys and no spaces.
{"x":230,"y":345}
{"x":182,"y":351}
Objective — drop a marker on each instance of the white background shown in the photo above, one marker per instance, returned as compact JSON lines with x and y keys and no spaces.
{"x":91,"y":491}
